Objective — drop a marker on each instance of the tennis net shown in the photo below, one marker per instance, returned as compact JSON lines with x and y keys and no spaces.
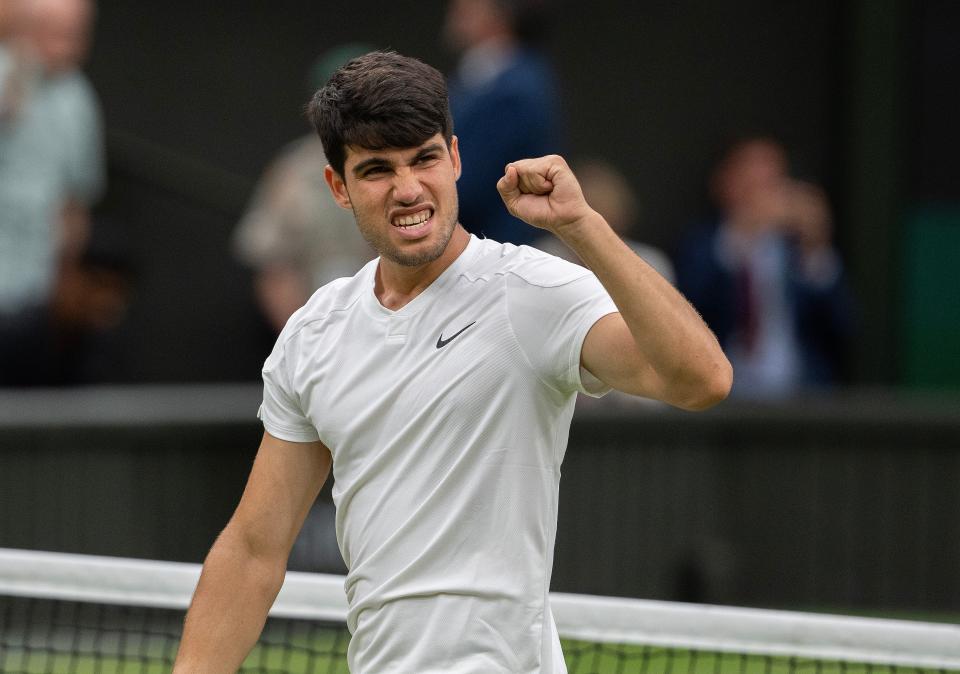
{"x":80,"y":614}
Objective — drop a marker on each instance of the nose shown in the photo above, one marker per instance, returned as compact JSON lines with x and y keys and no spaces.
{"x":406,"y":186}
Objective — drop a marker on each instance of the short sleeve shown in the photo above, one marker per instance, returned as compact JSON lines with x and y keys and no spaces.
{"x":551,"y":321}
{"x":280,"y":412}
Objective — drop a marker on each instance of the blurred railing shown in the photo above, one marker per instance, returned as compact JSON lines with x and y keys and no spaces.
{"x":848,"y":501}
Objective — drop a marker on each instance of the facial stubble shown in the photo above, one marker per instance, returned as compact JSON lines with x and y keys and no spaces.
{"x":380,"y":242}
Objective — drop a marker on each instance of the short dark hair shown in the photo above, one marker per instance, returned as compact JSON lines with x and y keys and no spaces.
{"x":380,"y":100}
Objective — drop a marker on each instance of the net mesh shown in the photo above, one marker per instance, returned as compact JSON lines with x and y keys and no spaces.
{"x":80,"y":615}
{"x":43,"y":635}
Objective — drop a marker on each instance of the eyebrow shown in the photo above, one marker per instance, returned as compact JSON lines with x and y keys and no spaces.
{"x":427,"y":149}
{"x":380,"y":161}
{"x":367,"y":163}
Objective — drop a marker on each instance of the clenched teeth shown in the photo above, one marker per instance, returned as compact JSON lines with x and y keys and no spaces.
{"x":413,"y":219}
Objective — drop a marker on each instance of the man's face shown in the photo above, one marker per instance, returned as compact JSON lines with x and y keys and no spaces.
{"x":757,"y":166}
{"x":404,"y":199}
{"x":470,"y":22}
{"x":751,"y":183}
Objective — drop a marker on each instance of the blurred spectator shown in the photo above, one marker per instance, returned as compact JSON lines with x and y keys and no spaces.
{"x":766,"y":277}
{"x":504,"y":102}
{"x":609,"y":193}
{"x":51,"y":149}
{"x":293,"y":234}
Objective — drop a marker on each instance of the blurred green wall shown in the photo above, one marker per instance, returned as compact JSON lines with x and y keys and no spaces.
{"x":931,"y":299}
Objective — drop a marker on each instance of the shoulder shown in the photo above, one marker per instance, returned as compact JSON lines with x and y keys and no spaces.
{"x":70,"y":104}
{"x":523,"y":264}
{"x":299,"y":158}
{"x":700,"y":240}
{"x":529,"y":75}
{"x":703,"y":230}
{"x":305,"y":149}
{"x":328,"y":302}
{"x":73,"y":89}
{"x":530,"y":64}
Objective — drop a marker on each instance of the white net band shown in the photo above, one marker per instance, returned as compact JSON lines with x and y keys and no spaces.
{"x":169,"y":585}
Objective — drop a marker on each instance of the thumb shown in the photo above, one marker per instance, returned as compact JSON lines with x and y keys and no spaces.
{"x":509,"y":185}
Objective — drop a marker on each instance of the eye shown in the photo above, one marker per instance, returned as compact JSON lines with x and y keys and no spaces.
{"x":427,"y":158}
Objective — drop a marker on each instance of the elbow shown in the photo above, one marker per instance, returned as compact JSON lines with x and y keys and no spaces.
{"x":712,"y":386}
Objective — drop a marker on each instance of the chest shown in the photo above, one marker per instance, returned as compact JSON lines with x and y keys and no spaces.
{"x":367,"y":381}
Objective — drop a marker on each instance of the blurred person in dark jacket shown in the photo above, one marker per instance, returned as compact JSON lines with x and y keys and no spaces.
{"x":766,"y":277}
{"x":504,"y":101}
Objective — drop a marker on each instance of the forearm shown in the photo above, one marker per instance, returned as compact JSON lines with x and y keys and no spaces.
{"x":229,"y":607}
{"x":660,"y":347}
{"x":690,"y":369}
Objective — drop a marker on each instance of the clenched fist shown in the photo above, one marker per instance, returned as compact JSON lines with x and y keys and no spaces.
{"x":543,"y":192}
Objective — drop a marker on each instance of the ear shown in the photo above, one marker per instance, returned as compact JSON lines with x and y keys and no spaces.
{"x":455,"y":156}
{"x":338,"y":188}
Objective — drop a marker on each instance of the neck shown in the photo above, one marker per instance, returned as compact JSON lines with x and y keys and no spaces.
{"x":396,"y":285}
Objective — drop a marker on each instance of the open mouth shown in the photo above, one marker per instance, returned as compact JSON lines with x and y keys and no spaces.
{"x":412,"y":220}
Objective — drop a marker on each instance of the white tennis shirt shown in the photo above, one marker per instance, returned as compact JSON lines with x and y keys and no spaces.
{"x":447,"y":421}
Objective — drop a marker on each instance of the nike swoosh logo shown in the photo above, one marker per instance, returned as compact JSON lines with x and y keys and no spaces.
{"x":441,"y":342}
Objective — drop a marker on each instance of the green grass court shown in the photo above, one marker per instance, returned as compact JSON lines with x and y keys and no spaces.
{"x":581,"y":657}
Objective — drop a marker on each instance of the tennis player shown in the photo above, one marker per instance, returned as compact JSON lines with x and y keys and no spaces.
{"x":439,"y":383}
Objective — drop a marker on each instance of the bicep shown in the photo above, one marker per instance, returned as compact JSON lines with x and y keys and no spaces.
{"x":610,"y":354}
{"x":283,"y":484}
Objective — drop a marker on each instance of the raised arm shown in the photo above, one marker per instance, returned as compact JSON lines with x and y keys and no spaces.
{"x":245,"y":567}
{"x":657,"y":346}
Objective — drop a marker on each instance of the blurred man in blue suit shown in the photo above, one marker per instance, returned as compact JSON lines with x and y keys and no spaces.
{"x":503,"y":96}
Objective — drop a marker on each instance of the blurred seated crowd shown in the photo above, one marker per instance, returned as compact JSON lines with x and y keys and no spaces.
{"x":762,"y":270}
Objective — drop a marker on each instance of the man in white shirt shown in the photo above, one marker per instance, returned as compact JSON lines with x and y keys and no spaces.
{"x":439,"y":383}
